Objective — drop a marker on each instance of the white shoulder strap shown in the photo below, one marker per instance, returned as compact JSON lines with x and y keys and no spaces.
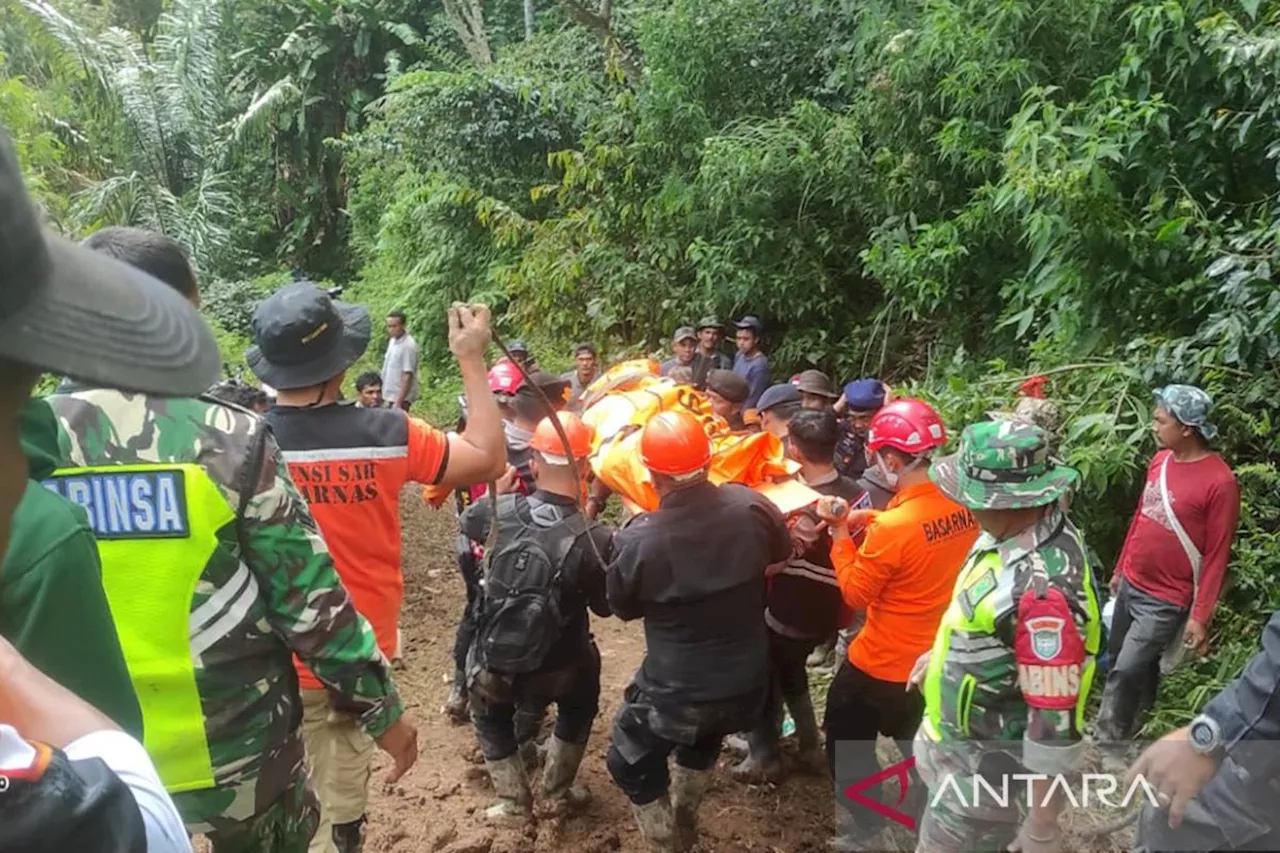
{"x":1193,"y":554}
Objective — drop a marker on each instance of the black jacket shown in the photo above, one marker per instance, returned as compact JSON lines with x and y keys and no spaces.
{"x":694,"y":571}
{"x":582,"y":577}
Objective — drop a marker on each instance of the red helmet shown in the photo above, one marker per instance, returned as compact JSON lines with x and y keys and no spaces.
{"x":548,"y":442}
{"x":909,"y":425}
{"x":505,"y":378}
{"x":675,"y":444}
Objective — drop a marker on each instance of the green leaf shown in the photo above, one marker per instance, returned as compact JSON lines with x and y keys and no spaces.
{"x":1172,"y":229}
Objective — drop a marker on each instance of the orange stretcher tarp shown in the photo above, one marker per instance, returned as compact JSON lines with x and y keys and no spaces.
{"x":620,"y":403}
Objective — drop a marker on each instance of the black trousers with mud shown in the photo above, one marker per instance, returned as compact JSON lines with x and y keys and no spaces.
{"x":501,"y":706}
{"x":789,"y":682}
{"x":859,"y":708}
{"x":471,"y":571}
{"x":645,"y":735}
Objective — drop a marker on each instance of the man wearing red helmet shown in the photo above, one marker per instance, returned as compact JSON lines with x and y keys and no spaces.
{"x":706,"y":668}
{"x":523,"y":404}
{"x":504,"y":379}
{"x":533,"y":641}
{"x":902,"y":575}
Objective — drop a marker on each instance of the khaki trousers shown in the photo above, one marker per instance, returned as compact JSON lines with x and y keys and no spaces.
{"x":340,"y":755}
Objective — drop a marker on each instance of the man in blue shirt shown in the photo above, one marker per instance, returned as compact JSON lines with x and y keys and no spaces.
{"x":750,"y":363}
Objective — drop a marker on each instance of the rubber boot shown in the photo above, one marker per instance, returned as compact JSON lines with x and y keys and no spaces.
{"x":349,"y":837}
{"x":736,"y":746}
{"x":688,"y":788}
{"x":511,"y":784}
{"x":762,"y":764}
{"x":563,"y":760}
{"x":821,"y":654}
{"x":531,"y":755}
{"x":810,"y":754}
{"x":457,"y":706}
{"x":657,"y":825}
{"x":852,"y":838}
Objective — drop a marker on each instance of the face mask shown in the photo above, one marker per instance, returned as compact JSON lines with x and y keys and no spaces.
{"x":890,"y":478}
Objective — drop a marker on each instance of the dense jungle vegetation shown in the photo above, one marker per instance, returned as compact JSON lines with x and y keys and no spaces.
{"x":951,"y":194}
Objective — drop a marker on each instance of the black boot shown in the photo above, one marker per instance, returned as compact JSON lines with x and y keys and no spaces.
{"x":810,"y":754}
{"x":457,"y":706}
{"x":349,"y":837}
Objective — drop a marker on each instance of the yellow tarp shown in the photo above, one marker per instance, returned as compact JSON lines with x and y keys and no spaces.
{"x":620,"y":402}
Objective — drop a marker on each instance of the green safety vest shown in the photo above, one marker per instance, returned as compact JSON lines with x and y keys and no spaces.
{"x":156,"y":526}
{"x":981,"y":601}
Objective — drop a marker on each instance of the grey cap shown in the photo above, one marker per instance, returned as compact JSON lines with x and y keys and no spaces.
{"x":778,"y":395}
{"x":684,"y":333}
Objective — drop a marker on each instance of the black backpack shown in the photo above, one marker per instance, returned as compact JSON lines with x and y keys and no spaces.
{"x":520,"y":618}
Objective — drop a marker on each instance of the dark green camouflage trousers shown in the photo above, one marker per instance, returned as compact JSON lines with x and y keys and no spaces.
{"x":286,"y":826}
{"x":956,"y":820}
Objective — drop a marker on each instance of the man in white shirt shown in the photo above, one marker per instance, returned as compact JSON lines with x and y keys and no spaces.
{"x":400,"y":366}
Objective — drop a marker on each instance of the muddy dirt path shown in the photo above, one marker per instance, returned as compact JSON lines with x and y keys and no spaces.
{"x":439,"y":805}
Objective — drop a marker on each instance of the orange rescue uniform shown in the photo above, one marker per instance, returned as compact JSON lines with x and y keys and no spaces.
{"x":903,"y":576}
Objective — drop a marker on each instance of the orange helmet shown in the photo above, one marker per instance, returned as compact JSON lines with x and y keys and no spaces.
{"x":548,"y":442}
{"x":675,"y":444}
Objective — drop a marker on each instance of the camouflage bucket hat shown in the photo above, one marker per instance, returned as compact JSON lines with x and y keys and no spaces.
{"x":1190,"y":406}
{"x":1003,"y":464}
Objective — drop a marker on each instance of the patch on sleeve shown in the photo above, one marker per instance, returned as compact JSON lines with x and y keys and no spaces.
{"x":145,"y":504}
{"x":1049,"y":650}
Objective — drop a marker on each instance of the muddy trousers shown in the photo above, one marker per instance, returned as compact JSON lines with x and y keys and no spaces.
{"x":341,"y":756}
{"x":645,"y":735}
{"x":470,"y":569}
{"x":286,"y":826}
{"x":859,"y":708}
{"x":498,"y":704}
{"x":1143,"y":626}
{"x":790,"y":682}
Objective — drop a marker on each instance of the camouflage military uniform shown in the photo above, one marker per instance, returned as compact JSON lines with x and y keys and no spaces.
{"x":1014,"y":657}
{"x":244,"y":674}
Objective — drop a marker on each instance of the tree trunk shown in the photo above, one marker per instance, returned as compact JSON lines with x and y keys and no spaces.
{"x":599,"y":25}
{"x":467,"y":19}
{"x":528,"y":19}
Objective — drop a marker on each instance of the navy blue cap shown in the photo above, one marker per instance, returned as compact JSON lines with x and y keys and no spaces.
{"x":518,"y":346}
{"x":752,"y":323}
{"x":778,"y":395}
{"x":864,"y":395}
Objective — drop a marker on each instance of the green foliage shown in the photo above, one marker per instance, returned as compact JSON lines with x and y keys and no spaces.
{"x":950,"y":194}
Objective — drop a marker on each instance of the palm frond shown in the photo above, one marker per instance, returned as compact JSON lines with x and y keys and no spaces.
{"x":77,"y":41}
{"x":204,"y":221}
{"x":280,"y":96}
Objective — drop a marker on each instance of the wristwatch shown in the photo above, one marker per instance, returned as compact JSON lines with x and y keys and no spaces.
{"x":1205,"y":736}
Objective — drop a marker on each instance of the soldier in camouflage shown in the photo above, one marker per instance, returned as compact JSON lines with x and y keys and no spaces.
{"x":1006,"y":682}
{"x":262,"y":588}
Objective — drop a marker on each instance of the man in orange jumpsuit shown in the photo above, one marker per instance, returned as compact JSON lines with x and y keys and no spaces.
{"x":902,"y":575}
